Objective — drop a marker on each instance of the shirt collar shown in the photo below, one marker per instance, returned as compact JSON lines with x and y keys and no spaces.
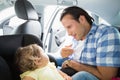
{"x":93,"y":29}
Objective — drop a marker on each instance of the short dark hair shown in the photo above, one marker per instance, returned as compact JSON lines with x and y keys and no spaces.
{"x":76,"y":12}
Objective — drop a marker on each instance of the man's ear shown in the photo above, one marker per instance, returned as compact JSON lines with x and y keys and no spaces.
{"x":82,"y":19}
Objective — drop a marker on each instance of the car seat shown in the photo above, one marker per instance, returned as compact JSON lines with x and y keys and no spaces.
{"x":4,"y":70}
{"x":8,"y":47}
{"x":31,"y":25}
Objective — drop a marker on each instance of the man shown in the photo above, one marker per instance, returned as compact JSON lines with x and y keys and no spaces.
{"x":100,"y":54}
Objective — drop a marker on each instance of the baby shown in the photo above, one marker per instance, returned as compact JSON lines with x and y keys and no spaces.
{"x":35,"y":65}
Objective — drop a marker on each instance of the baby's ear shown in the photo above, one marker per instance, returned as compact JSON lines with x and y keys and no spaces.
{"x":37,"y":61}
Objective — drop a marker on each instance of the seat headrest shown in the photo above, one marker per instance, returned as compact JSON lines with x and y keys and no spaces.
{"x":25,"y":10}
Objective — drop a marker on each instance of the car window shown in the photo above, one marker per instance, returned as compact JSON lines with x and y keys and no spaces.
{"x":6,"y":3}
{"x":5,"y":8}
{"x":53,"y":28}
{"x":58,"y":32}
{"x":58,"y":29}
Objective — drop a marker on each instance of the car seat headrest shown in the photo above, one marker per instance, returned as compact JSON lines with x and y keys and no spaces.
{"x":25,"y":10}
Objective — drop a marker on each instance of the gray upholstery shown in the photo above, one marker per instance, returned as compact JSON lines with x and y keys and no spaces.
{"x":24,"y":10}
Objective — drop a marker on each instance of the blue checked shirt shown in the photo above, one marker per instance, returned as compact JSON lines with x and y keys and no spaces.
{"x":101,"y":47}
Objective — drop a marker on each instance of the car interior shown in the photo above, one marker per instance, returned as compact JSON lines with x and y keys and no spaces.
{"x":8,"y":68}
{"x":23,"y":35}
{"x":30,"y":30}
{"x":24,"y":10}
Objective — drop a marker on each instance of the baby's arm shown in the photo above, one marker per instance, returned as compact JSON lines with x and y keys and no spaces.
{"x":27,"y":78}
{"x":65,"y":76}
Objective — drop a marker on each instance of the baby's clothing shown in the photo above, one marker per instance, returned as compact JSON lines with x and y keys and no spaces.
{"x":48,"y":72}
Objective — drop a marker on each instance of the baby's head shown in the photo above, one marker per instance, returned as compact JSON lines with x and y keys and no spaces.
{"x":31,"y":57}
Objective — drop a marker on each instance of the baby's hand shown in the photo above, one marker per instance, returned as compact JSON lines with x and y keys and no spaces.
{"x":68,"y":78}
{"x":64,"y":75}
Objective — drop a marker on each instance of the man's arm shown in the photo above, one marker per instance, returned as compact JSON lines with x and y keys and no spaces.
{"x":103,"y":73}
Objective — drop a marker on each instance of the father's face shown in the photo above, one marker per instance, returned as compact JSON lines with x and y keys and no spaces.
{"x":73,"y":27}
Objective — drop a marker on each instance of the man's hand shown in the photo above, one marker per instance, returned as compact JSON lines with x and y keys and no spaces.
{"x":66,"y":51}
{"x":99,"y":71}
{"x":65,"y":64}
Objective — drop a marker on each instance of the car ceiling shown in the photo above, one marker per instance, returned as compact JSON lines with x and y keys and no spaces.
{"x":106,"y":9}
